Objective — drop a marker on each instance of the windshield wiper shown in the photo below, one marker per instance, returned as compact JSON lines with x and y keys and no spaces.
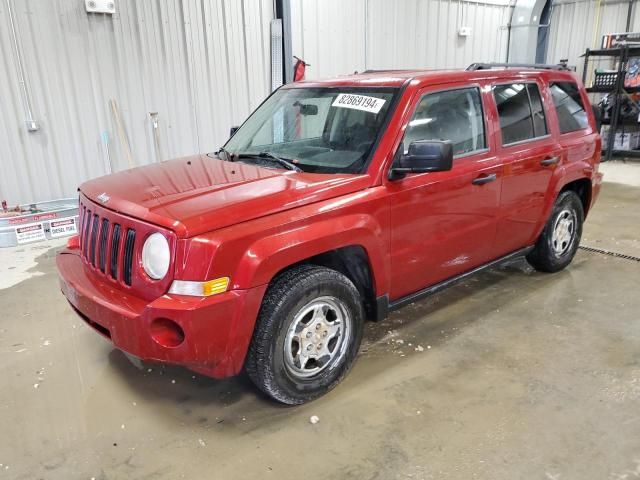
{"x":270,"y":156}
{"x":228,"y":156}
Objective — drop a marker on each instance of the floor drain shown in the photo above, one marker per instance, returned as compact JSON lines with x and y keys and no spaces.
{"x":610,"y":253}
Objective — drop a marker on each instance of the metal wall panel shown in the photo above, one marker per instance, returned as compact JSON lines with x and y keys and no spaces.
{"x":577,"y":25}
{"x":339,"y":37}
{"x":202,"y":65}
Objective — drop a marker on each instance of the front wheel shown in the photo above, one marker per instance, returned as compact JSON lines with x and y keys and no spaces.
{"x":560,"y":238}
{"x":307,"y":334}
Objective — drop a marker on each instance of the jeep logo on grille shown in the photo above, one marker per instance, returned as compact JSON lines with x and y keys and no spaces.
{"x":103,"y":197}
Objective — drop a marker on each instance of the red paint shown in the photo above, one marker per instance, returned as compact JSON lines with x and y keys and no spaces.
{"x":248,"y":223}
{"x":28,"y":218}
{"x":73,"y":242}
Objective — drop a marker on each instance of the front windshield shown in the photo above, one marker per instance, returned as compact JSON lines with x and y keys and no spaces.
{"x":324,"y":130}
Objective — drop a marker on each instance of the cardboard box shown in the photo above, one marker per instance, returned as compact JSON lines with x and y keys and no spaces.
{"x":627,"y":139}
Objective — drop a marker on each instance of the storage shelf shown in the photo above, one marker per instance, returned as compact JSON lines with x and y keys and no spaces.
{"x":621,"y":121}
{"x":626,"y":153}
{"x":622,"y":53}
{"x":611,"y":89}
{"x":613,"y":52}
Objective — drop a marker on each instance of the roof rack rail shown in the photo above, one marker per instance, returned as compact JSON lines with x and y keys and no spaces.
{"x":537,"y":66}
{"x":383,"y":70}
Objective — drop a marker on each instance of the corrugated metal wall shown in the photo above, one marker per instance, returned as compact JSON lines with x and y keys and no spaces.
{"x":202,"y":65}
{"x":577,"y":25}
{"x":339,"y":37}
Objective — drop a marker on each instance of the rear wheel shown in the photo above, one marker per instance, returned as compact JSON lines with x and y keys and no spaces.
{"x":307,"y":334}
{"x":560,"y":238}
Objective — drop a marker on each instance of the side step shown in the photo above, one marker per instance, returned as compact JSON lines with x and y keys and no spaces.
{"x":384,"y":306}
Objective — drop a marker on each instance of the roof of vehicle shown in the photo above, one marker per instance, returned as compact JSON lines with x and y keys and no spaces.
{"x":395,"y":78}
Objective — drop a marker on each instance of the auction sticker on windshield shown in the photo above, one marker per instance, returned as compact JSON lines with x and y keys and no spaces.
{"x":358,"y":102}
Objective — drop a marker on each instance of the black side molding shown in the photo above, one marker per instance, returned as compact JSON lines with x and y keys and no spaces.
{"x":384,"y":306}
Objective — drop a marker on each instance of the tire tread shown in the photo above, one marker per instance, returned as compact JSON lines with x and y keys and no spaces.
{"x":296,"y":279}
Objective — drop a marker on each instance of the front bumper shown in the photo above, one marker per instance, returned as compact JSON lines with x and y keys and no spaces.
{"x":217,"y":329}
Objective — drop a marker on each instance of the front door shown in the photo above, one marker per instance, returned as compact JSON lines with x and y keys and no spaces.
{"x":443,"y":223}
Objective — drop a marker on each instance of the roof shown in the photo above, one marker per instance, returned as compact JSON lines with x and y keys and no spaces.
{"x":396,"y":78}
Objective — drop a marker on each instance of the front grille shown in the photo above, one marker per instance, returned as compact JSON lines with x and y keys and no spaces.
{"x":111,"y":248}
{"x":100,"y":245}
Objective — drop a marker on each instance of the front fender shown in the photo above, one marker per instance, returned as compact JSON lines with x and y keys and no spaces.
{"x":271,"y":254}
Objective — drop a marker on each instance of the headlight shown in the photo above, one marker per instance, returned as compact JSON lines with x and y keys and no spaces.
{"x":156,"y":256}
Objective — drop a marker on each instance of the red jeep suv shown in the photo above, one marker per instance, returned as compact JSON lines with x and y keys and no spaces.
{"x":335,"y":202}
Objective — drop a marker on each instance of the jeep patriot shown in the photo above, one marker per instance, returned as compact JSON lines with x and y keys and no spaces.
{"x":335,"y":202}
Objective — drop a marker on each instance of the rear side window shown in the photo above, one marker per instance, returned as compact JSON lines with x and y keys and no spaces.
{"x":454,"y":115}
{"x":569,"y":107}
{"x":520,"y":112}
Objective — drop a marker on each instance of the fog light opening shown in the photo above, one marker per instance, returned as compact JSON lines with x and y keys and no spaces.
{"x":166,"y":333}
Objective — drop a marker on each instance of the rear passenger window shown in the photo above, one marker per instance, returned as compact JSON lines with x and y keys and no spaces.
{"x":454,"y":115}
{"x":520,"y":111}
{"x":571,"y":113}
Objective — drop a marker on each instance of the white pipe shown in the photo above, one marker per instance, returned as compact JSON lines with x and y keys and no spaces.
{"x":32,"y":125}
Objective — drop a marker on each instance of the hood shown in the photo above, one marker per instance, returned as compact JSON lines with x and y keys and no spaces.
{"x":198,"y":194}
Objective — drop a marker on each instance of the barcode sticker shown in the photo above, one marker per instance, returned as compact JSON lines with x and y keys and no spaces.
{"x":358,"y":102}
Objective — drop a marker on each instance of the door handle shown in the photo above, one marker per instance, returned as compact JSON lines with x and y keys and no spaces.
{"x":549,"y":161}
{"x":485,"y":179}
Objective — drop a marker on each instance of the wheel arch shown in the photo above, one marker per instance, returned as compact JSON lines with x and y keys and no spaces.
{"x":351,"y":246}
{"x":566,"y":181}
{"x":582,"y":187}
{"x":354,"y":263}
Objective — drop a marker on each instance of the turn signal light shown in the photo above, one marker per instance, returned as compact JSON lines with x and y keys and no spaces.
{"x":200,"y":289}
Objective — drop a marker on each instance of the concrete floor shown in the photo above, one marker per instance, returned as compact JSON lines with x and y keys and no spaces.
{"x":522,"y":376}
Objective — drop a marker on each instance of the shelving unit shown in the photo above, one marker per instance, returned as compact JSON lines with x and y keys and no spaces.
{"x":622,"y":54}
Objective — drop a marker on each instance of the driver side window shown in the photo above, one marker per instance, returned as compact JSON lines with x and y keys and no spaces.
{"x":454,"y":115}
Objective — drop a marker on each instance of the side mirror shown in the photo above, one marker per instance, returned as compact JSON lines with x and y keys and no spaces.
{"x":232,"y":131}
{"x":424,"y":156}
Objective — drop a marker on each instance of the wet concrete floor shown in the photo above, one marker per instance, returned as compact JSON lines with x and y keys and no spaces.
{"x":510,"y":375}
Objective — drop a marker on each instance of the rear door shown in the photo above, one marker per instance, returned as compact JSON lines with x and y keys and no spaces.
{"x":530,"y":153}
{"x":443,"y":223}
{"x":575,"y":135}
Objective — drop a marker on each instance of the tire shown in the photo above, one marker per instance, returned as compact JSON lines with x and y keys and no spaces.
{"x":559,"y":241}
{"x":290,"y":358}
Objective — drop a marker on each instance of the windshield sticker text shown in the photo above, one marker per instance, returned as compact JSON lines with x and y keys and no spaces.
{"x":358,"y":102}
